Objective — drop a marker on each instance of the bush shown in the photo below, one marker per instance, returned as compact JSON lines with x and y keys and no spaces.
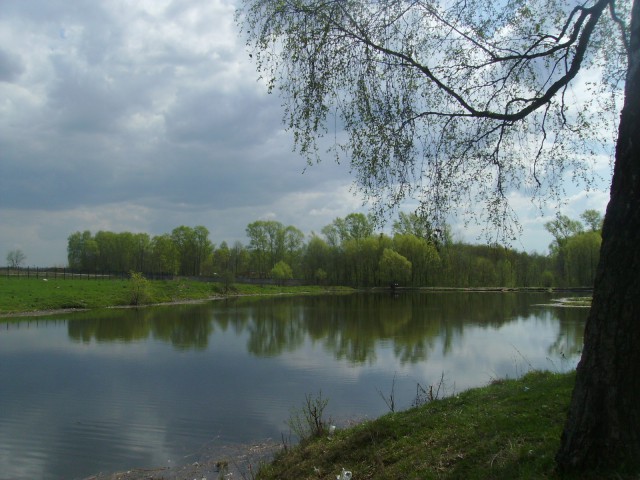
{"x":308,"y":422}
{"x":139,"y":288}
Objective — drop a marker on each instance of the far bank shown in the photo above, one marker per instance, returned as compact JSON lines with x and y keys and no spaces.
{"x":32,"y":296}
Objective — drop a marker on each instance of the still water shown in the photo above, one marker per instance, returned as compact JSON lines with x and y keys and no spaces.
{"x":105,"y":391}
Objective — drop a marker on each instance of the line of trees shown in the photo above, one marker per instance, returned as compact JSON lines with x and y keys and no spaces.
{"x":349,"y":251}
{"x":184,"y":251}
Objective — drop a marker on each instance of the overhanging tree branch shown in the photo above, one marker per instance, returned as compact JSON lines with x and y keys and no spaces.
{"x":580,"y":38}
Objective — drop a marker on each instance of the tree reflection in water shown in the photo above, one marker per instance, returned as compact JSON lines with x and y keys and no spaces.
{"x":348,"y":326}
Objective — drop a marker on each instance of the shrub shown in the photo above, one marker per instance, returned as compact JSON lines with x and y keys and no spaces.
{"x":309,"y":422}
{"x":139,"y":288}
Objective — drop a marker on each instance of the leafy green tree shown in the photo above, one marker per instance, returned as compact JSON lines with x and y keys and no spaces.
{"x":203,"y":248}
{"x":575,"y":253}
{"x":110,"y":252}
{"x":82,"y":251}
{"x":15,"y":258}
{"x":281,"y":271}
{"x":165,"y":257}
{"x":194,"y":248}
{"x":582,"y":252}
{"x":222,"y":259}
{"x":259,"y":245}
{"x":182,"y":238}
{"x":413,"y":224}
{"x":239,"y":258}
{"x":317,"y":256}
{"x":424,"y":258}
{"x":334,"y":232}
{"x":562,"y":228}
{"x":482,"y":273}
{"x":75,"y":250}
{"x":293,"y":243}
{"x":358,"y":226}
{"x":593,"y":219}
{"x":394,"y":268}
{"x":141,"y":252}
{"x":320,"y":276}
{"x":362,"y":259}
{"x":139,"y":288}
{"x":505,"y":273}
{"x":530,"y":271}
{"x":354,"y":250}
{"x":455,"y":104}
{"x":126,"y":249}
{"x":355,"y":226}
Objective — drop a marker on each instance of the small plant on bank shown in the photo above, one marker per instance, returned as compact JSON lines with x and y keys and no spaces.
{"x":308,"y":422}
{"x":139,"y":288}
{"x":426,"y":395}
{"x":390,"y":401}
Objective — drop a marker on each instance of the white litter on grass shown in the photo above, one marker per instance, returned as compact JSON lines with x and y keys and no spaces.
{"x":345,"y":475}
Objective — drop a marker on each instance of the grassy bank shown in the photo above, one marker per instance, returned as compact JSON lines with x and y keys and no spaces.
{"x":507,"y":430}
{"x":22,"y":295}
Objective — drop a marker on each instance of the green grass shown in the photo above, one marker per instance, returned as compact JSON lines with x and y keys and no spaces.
{"x":23,"y":295}
{"x":507,"y":430}
{"x":30,"y":294}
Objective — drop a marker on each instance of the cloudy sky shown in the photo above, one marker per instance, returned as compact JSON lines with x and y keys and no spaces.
{"x":144,"y":116}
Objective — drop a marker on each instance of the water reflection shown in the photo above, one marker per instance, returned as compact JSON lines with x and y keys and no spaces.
{"x":113,"y":389}
{"x":349,"y":326}
{"x":182,"y":326}
{"x":570,"y":332}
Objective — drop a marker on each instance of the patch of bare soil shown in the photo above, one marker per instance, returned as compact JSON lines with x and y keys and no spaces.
{"x":219,"y":462}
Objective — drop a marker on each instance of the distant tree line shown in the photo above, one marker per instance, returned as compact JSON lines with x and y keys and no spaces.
{"x":349,"y":251}
{"x":185,"y":251}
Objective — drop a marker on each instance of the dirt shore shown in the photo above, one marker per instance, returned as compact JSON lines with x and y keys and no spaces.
{"x":226,"y":462}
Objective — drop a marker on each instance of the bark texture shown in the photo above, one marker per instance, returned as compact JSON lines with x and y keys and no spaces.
{"x":603,"y":426}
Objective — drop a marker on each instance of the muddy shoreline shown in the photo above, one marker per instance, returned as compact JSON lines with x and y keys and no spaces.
{"x":212,"y":462}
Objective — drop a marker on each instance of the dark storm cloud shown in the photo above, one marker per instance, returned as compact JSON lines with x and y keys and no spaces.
{"x":239,"y":119}
{"x":11,"y":66}
{"x":125,"y":113}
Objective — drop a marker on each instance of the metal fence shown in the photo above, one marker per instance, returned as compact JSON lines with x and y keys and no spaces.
{"x":67,"y":273}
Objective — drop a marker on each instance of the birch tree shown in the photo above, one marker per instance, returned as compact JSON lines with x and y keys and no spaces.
{"x":458,"y":104}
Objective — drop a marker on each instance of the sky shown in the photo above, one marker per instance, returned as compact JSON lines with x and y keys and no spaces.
{"x":144,"y":116}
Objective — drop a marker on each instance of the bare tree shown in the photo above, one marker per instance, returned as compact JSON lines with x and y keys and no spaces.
{"x":460,"y":103}
{"x":15,"y":258}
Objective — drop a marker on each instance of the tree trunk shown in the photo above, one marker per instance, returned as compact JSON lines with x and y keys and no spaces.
{"x":603,"y":426}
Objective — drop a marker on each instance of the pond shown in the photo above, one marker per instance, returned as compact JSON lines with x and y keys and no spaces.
{"x":108,"y":390}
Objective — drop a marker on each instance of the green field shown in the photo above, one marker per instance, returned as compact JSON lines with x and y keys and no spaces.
{"x":21,"y":295}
